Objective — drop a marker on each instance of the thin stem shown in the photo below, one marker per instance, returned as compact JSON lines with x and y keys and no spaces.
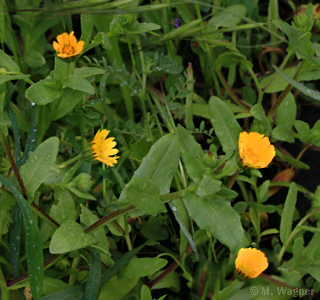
{"x":302,"y":152}
{"x":232,"y":179}
{"x":70,"y":161}
{"x":231,"y":92}
{"x":36,"y":209}
{"x":172,"y":267}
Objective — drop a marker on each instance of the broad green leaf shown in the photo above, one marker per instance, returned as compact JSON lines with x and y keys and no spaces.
{"x":192,"y":154}
{"x":7,"y":63}
{"x":116,"y":289}
{"x":171,"y":281}
{"x":217,"y":217}
{"x":65,"y":209}
{"x":68,"y":237}
{"x":297,"y":249}
{"x":287,"y":111}
{"x":93,"y":283}
{"x":88,"y":218}
{"x":140,"y":267}
{"x":41,"y":94}
{"x":85,"y":72}
{"x":66,"y":103}
{"x":287,"y":214}
{"x":303,"y":129}
{"x":208,"y":186}
{"x":79,"y":84}
{"x":224,"y":123}
{"x":258,"y":113}
{"x":39,"y":164}
{"x":34,"y":59}
{"x":161,"y":163}
{"x":275,"y":83}
{"x":33,"y":241}
{"x":62,"y":69}
{"x":144,"y":194}
{"x":283,"y":133}
{"x":79,"y":193}
{"x":230,"y":59}
{"x":229,"y":17}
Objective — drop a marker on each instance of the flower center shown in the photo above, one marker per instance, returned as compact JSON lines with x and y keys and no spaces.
{"x":251,"y":156}
{"x":69,"y":50}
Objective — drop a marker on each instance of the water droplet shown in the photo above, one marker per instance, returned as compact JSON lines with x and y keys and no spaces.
{"x":30,"y":221}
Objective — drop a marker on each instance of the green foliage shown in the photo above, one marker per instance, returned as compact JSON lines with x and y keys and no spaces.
{"x":175,"y":84}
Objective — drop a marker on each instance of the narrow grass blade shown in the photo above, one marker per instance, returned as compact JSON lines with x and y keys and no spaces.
{"x":33,"y":241}
{"x":31,"y":144}
{"x":93,"y":283}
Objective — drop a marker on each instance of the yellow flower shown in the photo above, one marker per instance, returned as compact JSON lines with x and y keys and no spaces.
{"x":255,"y":150}
{"x":102,"y":148}
{"x":251,"y":262}
{"x":67,"y":45}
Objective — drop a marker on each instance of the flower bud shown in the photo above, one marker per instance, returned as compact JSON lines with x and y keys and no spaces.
{"x":3,"y":71}
{"x":209,"y":159}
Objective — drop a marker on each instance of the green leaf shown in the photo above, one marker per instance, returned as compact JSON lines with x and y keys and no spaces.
{"x":41,"y":94}
{"x":225,"y":125}
{"x":86,"y":27}
{"x":93,"y":283}
{"x":229,"y":17}
{"x":140,"y":267}
{"x":192,"y":154}
{"x":144,"y":194}
{"x":62,"y":69}
{"x":145,"y":293}
{"x":85,"y":72}
{"x":258,"y":113}
{"x":116,"y":289}
{"x":79,"y":193}
{"x":88,"y":218}
{"x":74,"y":293}
{"x":79,"y":84}
{"x":275,"y":83}
{"x":141,"y":28}
{"x":287,"y":214}
{"x":7,"y":63}
{"x":217,"y":217}
{"x":292,"y":161}
{"x":160,"y":164}
{"x":171,"y":281}
{"x":287,"y":111}
{"x":6,"y":78}
{"x":68,"y":237}
{"x":303,"y":129}
{"x":67,"y":102}
{"x":208,"y":186}
{"x":39,"y":164}
{"x":305,"y":90}
{"x":34,"y":59}
{"x":65,"y":209}
{"x":283,"y":133}
{"x":33,"y":241}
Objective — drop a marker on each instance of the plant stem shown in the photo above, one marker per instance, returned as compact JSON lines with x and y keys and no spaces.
{"x":118,"y":176}
{"x":70,"y":161}
{"x":232,"y":179}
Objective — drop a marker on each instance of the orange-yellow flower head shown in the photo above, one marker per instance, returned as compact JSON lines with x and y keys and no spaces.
{"x":67,"y":45}
{"x":102,"y":148}
{"x":255,"y":150}
{"x":251,"y":262}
